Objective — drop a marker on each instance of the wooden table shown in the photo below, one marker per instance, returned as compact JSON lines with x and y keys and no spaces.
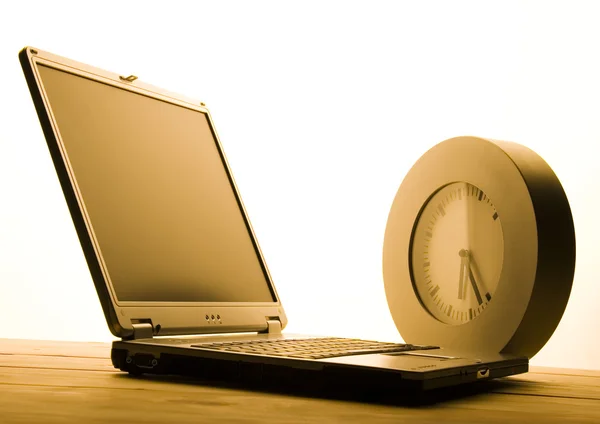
{"x":58,"y":382}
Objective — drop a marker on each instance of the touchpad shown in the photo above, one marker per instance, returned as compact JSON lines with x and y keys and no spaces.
{"x":423,"y":355}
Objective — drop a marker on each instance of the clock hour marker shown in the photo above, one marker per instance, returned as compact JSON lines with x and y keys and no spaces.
{"x":495,"y":216}
{"x":488,"y":297}
{"x":480,"y":195}
{"x":434,"y":291}
{"x":449,"y":309}
{"x":441,"y":209}
{"x":470,"y":314}
{"x":428,"y":234}
{"x":426,"y":264}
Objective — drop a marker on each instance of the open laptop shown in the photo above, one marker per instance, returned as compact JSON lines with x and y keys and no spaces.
{"x":174,"y":259}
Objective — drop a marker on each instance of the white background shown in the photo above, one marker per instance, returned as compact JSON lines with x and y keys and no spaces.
{"x":322,"y":108}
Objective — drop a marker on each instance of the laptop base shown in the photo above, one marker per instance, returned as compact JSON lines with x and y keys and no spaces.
{"x":269,"y":373}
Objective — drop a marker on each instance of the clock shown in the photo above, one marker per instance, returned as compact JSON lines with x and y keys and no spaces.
{"x":479,"y":249}
{"x":457,"y":251}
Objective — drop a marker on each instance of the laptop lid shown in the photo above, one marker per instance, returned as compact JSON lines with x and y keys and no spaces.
{"x":160,"y":220}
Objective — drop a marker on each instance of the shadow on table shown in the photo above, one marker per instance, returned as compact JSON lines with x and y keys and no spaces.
{"x":344,"y":391}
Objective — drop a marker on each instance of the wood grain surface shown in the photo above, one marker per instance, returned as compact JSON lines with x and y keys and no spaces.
{"x":64,"y":382}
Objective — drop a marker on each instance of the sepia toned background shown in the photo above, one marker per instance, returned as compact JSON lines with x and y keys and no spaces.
{"x":322,"y":107}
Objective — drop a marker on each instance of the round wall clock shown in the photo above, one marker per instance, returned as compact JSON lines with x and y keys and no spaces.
{"x":479,"y":250}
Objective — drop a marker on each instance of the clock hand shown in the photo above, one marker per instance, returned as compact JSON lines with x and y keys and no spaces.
{"x":461,"y":279}
{"x":474,"y":284}
{"x":477,"y":286}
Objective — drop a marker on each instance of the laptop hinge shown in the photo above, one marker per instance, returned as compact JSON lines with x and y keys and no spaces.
{"x":273,"y":326}
{"x":142,"y":330}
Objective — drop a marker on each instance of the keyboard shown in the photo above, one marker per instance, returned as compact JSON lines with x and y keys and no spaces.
{"x":313,"y":348}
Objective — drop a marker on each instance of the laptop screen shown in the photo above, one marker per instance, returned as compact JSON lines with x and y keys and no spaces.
{"x":164,"y":214}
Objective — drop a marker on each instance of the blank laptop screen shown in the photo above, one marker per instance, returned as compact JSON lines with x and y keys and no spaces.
{"x":156,"y":192}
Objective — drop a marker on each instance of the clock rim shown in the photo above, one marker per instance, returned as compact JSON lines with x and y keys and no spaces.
{"x":539,"y":254}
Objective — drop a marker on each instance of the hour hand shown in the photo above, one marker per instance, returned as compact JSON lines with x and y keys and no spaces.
{"x":474,"y":284}
{"x":478,"y":287}
{"x":464,"y":263}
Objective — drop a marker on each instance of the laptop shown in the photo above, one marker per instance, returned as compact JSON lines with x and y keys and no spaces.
{"x":176,"y":264}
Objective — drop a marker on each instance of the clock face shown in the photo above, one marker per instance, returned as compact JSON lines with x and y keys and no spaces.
{"x":457,"y":251}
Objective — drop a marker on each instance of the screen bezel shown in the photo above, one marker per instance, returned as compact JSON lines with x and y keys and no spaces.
{"x":170,"y":317}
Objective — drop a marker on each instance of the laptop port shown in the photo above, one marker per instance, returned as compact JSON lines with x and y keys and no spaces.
{"x":483,"y":372}
{"x":143,"y":360}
